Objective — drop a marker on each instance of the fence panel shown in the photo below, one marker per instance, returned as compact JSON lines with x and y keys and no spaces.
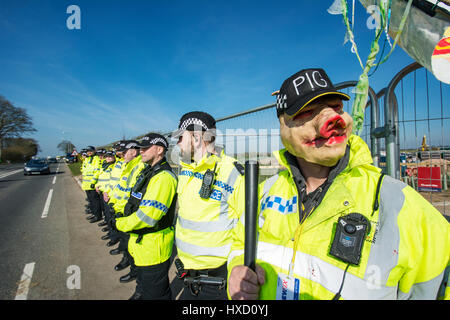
{"x":423,"y":128}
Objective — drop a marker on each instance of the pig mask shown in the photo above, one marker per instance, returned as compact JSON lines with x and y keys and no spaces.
{"x":318,"y":133}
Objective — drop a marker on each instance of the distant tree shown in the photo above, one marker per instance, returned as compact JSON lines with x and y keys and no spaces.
{"x":14,"y":121}
{"x":66,"y":146}
{"x":19,"y":149}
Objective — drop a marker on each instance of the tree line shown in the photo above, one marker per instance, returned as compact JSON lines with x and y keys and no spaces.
{"x":14,"y":122}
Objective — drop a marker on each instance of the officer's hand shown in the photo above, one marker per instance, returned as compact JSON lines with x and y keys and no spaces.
{"x":244,"y":283}
{"x":105,"y":197}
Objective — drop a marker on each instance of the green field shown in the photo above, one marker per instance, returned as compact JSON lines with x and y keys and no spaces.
{"x":75,"y":168}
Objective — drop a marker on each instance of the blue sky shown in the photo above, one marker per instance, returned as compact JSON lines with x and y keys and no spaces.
{"x":137,"y":66}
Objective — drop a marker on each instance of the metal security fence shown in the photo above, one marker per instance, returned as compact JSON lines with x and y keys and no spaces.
{"x":414,"y":133}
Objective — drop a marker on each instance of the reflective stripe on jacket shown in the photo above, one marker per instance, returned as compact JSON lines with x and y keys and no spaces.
{"x":404,"y":256}
{"x":204,"y":226}
{"x":121,"y":192}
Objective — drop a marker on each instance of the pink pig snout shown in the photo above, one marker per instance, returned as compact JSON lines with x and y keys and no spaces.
{"x":333,"y":125}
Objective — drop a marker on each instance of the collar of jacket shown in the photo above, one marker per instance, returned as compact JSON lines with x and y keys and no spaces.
{"x":207,"y":161}
{"x":359,"y":154}
{"x":148,"y":168}
{"x":91,"y":158}
{"x":133,"y":162}
{"x":105,"y":164}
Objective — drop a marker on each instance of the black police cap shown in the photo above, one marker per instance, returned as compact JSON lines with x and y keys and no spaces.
{"x":153,"y":139}
{"x":193,"y":121}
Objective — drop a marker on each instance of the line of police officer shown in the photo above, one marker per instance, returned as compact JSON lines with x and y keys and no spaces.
{"x":134,"y":190}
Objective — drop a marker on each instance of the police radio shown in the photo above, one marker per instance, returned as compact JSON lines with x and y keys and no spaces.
{"x":207,"y":183}
{"x":349,"y":238}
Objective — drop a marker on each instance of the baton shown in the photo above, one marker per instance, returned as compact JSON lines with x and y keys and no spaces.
{"x":251,"y":212}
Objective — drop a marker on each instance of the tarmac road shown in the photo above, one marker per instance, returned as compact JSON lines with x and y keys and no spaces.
{"x":48,"y":250}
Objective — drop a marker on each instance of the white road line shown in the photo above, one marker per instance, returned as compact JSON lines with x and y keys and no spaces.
{"x":47,"y":204}
{"x":54,"y":180}
{"x":4,"y":175}
{"x":25,"y":281}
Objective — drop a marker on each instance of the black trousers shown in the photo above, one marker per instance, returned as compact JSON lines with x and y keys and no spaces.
{"x":94,"y":203}
{"x":123,"y":246}
{"x":102,"y":203}
{"x":207,"y":292}
{"x":106,"y":210}
{"x":152,"y":282}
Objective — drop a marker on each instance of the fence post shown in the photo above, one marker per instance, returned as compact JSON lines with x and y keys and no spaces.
{"x":391,"y":121}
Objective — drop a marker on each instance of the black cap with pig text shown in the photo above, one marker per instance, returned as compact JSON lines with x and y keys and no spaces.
{"x":302,"y":88}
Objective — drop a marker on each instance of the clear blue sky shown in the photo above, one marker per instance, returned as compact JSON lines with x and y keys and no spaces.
{"x":138,"y":65}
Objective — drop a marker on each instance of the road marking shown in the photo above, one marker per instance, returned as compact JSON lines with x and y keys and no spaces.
{"x":47,"y":204}
{"x":4,"y":175}
{"x":54,"y":180}
{"x":25,"y":281}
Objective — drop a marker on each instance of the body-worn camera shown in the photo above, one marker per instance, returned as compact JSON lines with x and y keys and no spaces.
{"x":207,"y":184}
{"x":349,"y":238}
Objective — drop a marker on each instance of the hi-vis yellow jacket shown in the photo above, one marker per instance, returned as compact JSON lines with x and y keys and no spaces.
{"x":91,"y":170}
{"x":114,"y":175}
{"x":121,"y":192}
{"x":405,"y":255}
{"x":155,"y":247}
{"x":204,"y":226}
{"x":104,"y":176}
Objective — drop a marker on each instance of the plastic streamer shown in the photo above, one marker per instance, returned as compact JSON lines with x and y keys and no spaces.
{"x":362,"y":87}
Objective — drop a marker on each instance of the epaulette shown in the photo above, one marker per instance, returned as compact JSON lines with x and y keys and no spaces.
{"x":239,"y":167}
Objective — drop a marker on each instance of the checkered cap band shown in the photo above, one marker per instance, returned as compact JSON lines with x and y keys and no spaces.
{"x":156,"y":140}
{"x":193,"y":121}
{"x":281,"y":102}
{"x":131,"y":145}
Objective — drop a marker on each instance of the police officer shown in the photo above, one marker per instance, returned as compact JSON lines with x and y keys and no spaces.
{"x":211,"y":199}
{"x":91,"y":170}
{"x":102,"y":184}
{"x":149,"y":216}
{"x":119,"y":198}
{"x":114,"y":179}
{"x":331,"y":226}
{"x":83,"y":156}
{"x":102,"y":159}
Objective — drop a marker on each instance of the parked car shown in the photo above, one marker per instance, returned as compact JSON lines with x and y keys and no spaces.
{"x":70,"y":158}
{"x":36,"y":166}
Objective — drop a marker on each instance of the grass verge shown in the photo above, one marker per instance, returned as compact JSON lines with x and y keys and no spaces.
{"x":75,"y":168}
